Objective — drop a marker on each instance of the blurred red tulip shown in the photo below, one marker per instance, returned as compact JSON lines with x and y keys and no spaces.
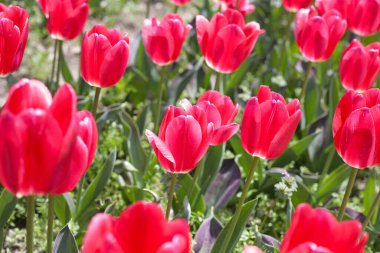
{"x":163,"y":41}
{"x":180,"y":2}
{"x":65,"y":19}
{"x":269,"y":124}
{"x":317,"y":231}
{"x":226,"y":41}
{"x":355,"y":128}
{"x":183,"y":139}
{"x":295,"y":5}
{"x":363,"y":16}
{"x":317,"y":36}
{"x":140,"y":228}
{"x":360,"y":65}
{"x":252,"y":249}
{"x":105,"y":54}
{"x":220,"y":111}
{"x":45,"y":145}
{"x":14,"y":30}
{"x":244,"y":6}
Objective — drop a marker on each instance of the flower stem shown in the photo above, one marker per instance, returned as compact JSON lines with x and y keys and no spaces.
{"x":239,"y":208}
{"x":49,"y":243}
{"x":305,"y":81}
{"x":347,"y":194}
{"x":160,"y":93}
{"x":59,"y":48}
{"x":171,"y":194}
{"x":197,"y":172}
{"x":29,"y":223}
{"x":54,"y":63}
{"x":175,"y":9}
{"x":374,"y":206}
{"x":218,"y":82}
{"x":148,"y":5}
{"x":96,"y":101}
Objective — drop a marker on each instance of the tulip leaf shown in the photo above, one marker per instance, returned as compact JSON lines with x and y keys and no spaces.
{"x":67,"y":76}
{"x":65,"y":242}
{"x":7,"y":204}
{"x":196,"y":201}
{"x":239,"y":228}
{"x":206,"y":235}
{"x":138,"y":155}
{"x":370,"y":194}
{"x":332,"y":182}
{"x":64,"y":207}
{"x":97,"y":185}
{"x":294,"y":150}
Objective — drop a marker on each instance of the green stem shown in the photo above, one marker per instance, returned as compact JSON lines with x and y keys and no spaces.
{"x":58,"y":63}
{"x":175,"y":9}
{"x":160,"y":93}
{"x":49,"y":243}
{"x":347,"y":194}
{"x":239,"y":208}
{"x":218,"y":81}
{"x":171,"y":194}
{"x":96,"y":101}
{"x":197,"y":172}
{"x":305,"y":81}
{"x":29,"y":223}
{"x":147,"y":11}
{"x":374,"y":206}
{"x":54,"y":62}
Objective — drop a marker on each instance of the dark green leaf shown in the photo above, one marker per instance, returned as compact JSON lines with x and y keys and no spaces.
{"x":65,"y":242}
{"x":7,"y":204}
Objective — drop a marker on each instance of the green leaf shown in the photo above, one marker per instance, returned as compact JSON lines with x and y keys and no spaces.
{"x":332,"y":182}
{"x":7,"y":204}
{"x":213,"y":162}
{"x":196,"y":200}
{"x":67,"y":76}
{"x":294,"y":150}
{"x":370,"y":194}
{"x":64,"y":207}
{"x":65,"y":242}
{"x":97,"y":185}
{"x":240,"y":226}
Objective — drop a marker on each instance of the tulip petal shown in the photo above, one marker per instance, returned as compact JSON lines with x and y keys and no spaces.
{"x":251,"y":126}
{"x":224,"y":133}
{"x":162,"y":151}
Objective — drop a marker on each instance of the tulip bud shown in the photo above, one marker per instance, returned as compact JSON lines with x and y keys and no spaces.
{"x":269,"y":124}
{"x":65,"y":19}
{"x":14,"y":29}
{"x":105,"y":55}
{"x":163,"y":40}
{"x":317,"y":36}
{"x":226,"y":41}
{"x":355,"y":128}
{"x":317,"y":230}
{"x":360,"y":66}
{"x":142,"y":228}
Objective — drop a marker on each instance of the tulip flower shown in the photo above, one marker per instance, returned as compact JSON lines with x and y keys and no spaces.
{"x":14,"y":29}
{"x":323,"y":6}
{"x":317,"y":230}
{"x":180,"y":2}
{"x":364,"y":16}
{"x":105,"y":55}
{"x":355,"y":128}
{"x":45,"y":145}
{"x":163,"y":40}
{"x":244,"y":6}
{"x":226,"y":41}
{"x":141,"y":228}
{"x":65,"y":19}
{"x":183,"y":139}
{"x":317,"y":36}
{"x":252,"y":249}
{"x":220,"y":111}
{"x":295,"y":5}
{"x":269,"y":124}
{"x":360,"y":65}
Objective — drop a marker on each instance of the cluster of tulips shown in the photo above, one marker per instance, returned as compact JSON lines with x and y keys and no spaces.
{"x":46,"y":145}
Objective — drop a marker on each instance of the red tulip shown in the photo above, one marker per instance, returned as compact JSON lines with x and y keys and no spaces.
{"x":360,"y":66}
{"x":295,"y":5}
{"x":317,"y":36}
{"x":183,"y":139}
{"x":269,"y":123}
{"x":252,"y":249}
{"x":163,"y":41}
{"x":14,"y":29}
{"x":140,"y":228}
{"x":105,"y":55}
{"x":220,"y":111}
{"x":363,"y":16}
{"x":180,"y":2}
{"x":45,"y":145}
{"x":317,"y":231}
{"x":244,"y":6}
{"x":226,"y":41}
{"x":355,"y":128}
{"x":65,"y":19}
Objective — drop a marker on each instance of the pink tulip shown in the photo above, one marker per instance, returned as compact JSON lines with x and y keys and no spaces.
{"x":244,"y":6}
{"x":295,"y":5}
